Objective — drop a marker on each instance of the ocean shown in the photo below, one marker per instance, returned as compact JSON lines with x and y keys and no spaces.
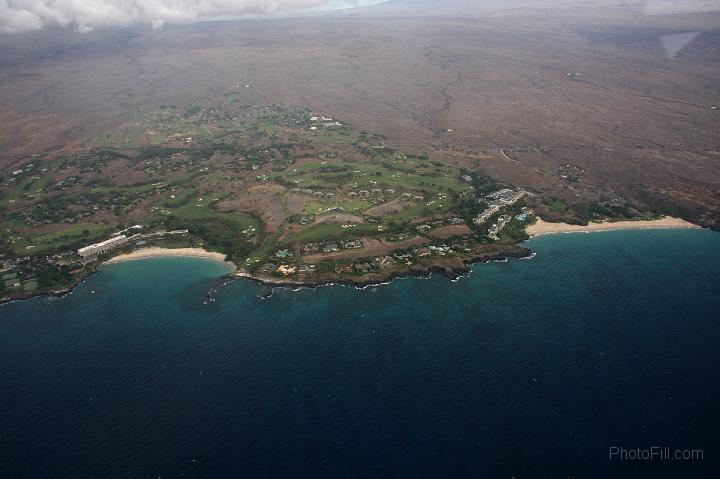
{"x":526,"y":368}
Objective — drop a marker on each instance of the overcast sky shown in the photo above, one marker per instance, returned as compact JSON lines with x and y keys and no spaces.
{"x":86,"y":15}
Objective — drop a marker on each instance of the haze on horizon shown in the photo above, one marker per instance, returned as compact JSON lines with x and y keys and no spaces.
{"x":87,"y":15}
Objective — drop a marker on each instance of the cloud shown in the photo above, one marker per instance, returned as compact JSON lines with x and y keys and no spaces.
{"x":86,"y":15}
{"x":670,"y":7}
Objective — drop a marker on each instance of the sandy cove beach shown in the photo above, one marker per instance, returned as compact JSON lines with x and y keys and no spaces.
{"x":155,"y":252}
{"x":541,"y":227}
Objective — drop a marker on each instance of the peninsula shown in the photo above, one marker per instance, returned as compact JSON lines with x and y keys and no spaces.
{"x":287,"y":195}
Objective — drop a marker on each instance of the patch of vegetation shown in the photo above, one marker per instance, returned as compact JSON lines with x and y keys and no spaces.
{"x":558,"y":205}
{"x":677,"y":208}
{"x":180,"y":198}
{"x":600,"y":212}
{"x":219,"y":235}
{"x":53,"y":278}
{"x":70,"y":238}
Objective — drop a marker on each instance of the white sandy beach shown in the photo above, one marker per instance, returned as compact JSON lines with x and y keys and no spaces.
{"x":155,"y":252}
{"x":542,"y":227}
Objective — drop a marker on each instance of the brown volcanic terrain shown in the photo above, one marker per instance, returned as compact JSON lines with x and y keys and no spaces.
{"x":490,"y":92}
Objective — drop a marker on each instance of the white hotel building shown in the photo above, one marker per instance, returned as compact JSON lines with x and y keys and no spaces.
{"x":102,"y":247}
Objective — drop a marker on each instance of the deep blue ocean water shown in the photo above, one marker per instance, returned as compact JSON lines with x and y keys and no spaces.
{"x":529,"y":368}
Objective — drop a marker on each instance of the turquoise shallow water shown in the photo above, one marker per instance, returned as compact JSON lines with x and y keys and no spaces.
{"x":529,"y":368}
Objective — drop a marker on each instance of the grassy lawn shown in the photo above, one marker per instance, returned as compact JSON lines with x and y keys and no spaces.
{"x":317,"y":232}
{"x":81,"y":232}
{"x":337,"y":136}
{"x":558,"y":206}
{"x":355,"y":207}
{"x":184,"y":178}
{"x":125,"y":189}
{"x":330,"y":232}
{"x":133,"y":138}
{"x":200,"y":208}
{"x":363,"y":175}
{"x":28,"y":186}
{"x":266,"y":247}
{"x":198,"y":132}
{"x":414,"y":211}
{"x":181,"y":198}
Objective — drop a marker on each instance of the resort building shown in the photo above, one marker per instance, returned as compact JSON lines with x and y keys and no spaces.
{"x":102,"y":247}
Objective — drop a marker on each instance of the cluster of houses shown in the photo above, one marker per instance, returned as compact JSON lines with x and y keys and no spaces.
{"x":11,"y":263}
{"x":570,"y":172}
{"x":497,"y":201}
{"x":15,"y":174}
{"x":496,"y":227}
{"x":281,"y":261}
{"x":52,"y":212}
{"x":331,"y":247}
{"x":374,"y":195}
{"x":524,"y":213}
{"x":425,"y":227}
{"x":373,"y":265}
{"x":118,"y":202}
{"x":405,"y":258}
{"x":323,"y":122}
{"x":442,"y":249}
{"x":286,"y":269}
{"x":394,"y":238}
{"x":503,"y":220}
{"x":26,"y":173}
{"x":320,"y":195}
{"x":363,"y":266}
{"x":68,"y":182}
{"x":411,"y":197}
{"x":375,"y":192}
{"x":275,"y":115}
{"x":21,"y":273}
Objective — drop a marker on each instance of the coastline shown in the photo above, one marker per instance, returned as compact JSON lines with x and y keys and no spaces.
{"x":157,"y":252}
{"x":143,"y":253}
{"x":542,"y":228}
{"x":452,"y":269}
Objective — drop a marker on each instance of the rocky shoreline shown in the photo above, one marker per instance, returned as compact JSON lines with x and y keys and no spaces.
{"x":54,"y":293}
{"x":452,"y":269}
{"x":148,"y":252}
